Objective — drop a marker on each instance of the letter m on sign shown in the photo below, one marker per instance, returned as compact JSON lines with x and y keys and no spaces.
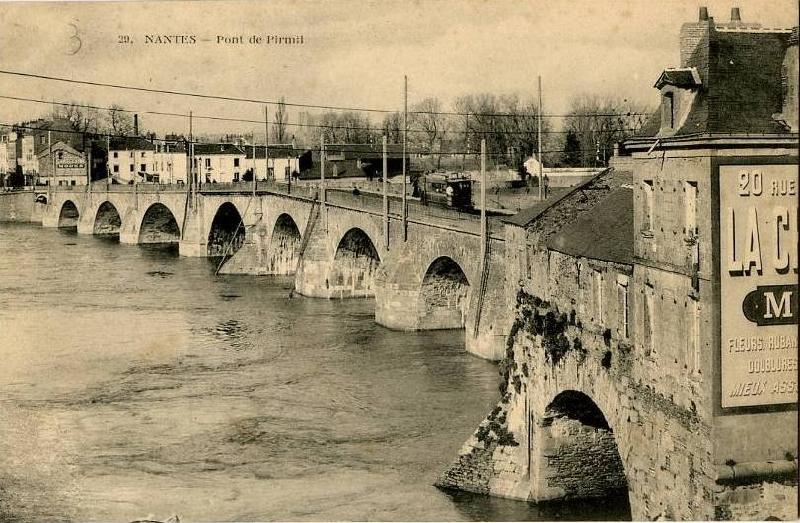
{"x":771,"y":305}
{"x":775,"y":308}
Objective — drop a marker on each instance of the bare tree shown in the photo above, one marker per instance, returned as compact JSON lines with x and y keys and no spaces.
{"x":81,"y":118}
{"x":508,"y":125}
{"x":393,"y":127}
{"x":279,"y":126}
{"x":427,"y":118}
{"x":346,"y":127}
{"x":599,"y":122}
{"x":119,"y":121}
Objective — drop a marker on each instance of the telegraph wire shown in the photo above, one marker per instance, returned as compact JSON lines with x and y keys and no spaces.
{"x":295,"y":104}
{"x":290,"y":124}
{"x":346,"y":148}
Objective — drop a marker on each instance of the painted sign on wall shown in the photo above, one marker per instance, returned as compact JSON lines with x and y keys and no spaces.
{"x":758,"y":284}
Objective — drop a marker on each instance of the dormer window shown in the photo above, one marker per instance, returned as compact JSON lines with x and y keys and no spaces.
{"x":678,"y":88}
{"x":668,"y":110}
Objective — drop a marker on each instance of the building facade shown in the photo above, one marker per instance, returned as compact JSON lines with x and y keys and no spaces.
{"x":131,"y":159}
{"x":62,"y":165}
{"x":219,"y":163}
{"x":285,"y":160}
{"x":656,"y":320}
{"x":170,"y":164}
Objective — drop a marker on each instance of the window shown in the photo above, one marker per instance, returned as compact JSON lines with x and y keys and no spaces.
{"x":208,"y":163}
{"x":647,"y":219}
{"x":597,"y":278}
{"x":131,"y":169}
{"x":116,"y":154}
{"x":649,"y":319}
{"x":143,"y":167}
{"x":236,"y":162}
{"x":116,"y":168}
{"x":668,"y":111}
{"x":690,"y":209}
{"x":622,"y":291}
{"x":131,"y":154}
{"x":235,"y":177}
{"x":60,"y":155}
{"x":694,"y":339}
{"x":72,"y":182}
{"x":142,"y":154}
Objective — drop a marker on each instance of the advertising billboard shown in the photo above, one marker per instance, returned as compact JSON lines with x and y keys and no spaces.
{"x":758,"y":243}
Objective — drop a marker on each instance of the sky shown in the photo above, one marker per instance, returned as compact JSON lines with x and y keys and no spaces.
{"x":354,"y":53}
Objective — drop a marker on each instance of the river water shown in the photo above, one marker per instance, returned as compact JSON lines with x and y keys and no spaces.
{"x":134,"y":383}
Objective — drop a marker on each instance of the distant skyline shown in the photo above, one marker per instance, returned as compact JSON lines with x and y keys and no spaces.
{"x":354,"y":53}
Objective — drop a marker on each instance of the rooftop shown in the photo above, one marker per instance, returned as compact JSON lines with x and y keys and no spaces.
{"x":738,"y":72}
{"x":275,"y":151}
{"x":132,"y":143}
{"x":604,"y":232}
{"x":208,"y":149}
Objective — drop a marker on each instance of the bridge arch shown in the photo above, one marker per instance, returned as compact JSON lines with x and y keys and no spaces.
{"x":227,"y":231}
{"x":578,"y":456}
{"x":107,"y":219}
{"x":355,"y":263}
{"x":159,"y":225}
{"x":284,"y":245}
{"x":444,"y":295}
{"x":68,"y":215}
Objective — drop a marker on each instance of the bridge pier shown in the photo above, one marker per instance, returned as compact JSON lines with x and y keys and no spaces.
{"x":129,"y":231}
{"x":86,"y":222}
{"x":194,"y":241}
{"x":50,"y":214}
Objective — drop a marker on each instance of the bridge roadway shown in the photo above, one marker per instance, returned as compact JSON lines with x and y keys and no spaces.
{"x":429,"y":275}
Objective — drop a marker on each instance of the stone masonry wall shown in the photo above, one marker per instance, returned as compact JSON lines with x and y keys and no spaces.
{"x":569,"y":449}
{"x":19,"y":207}
{"x":664,"y":448}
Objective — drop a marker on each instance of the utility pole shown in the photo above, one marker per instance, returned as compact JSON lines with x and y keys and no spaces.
{"x":322,"y":169}
{"x":266,"y":142}
{"x":483,"y":201}
{"x":466,"y":144}
{"x":405,"y":140}
{"x":191,"y":181}
{"x":385,"y":196}
{"x":108,"y":158}
{"x":88,"y":153}
{"x":53,"y":161}
{"x":541,"y":156}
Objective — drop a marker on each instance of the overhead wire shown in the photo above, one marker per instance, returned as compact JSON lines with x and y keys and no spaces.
{"x":294,"y":104}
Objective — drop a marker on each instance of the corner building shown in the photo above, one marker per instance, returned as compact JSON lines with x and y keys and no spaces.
{"x":654,"y":344}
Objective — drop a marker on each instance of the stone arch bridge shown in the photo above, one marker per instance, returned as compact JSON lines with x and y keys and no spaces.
{"x":429,"y":276}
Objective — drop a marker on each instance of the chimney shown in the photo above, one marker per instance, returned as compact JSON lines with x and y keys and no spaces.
{"x":736,"y":16}
{"x":136,"y":125}
{"x":694,"y":41}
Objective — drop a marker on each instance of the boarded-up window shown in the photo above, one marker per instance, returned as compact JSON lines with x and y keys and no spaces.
{"x":695,"y":347}
{"x":647,"y":219}
{"x":622,"y":295}
{"x":668,"y":111}
{"x":598,"y":295}
{"x":690,"y":208}
{"x":649,"y":319}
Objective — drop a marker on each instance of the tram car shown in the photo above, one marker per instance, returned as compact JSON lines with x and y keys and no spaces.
{"x":451,"y":190}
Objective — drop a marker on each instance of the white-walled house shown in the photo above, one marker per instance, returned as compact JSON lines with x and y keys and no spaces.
{"x":284,"y":159}
{"x":170,"y":163}
{"x":219,"y":162}
{"x":131,"y":158}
